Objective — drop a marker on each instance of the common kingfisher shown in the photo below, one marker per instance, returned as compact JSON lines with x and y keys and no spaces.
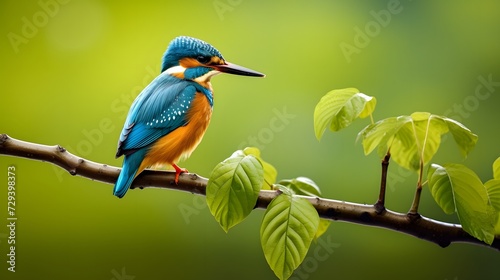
{"x":168,"y":118}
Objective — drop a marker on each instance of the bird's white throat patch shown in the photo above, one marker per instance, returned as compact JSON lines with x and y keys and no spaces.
{"x":176,"y":70}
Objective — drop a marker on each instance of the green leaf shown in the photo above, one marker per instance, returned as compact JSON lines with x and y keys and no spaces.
{"x":233,"y":189}
{"x":496,"y":169}
{"x":457,"y":189}
{"x":322,"y":228}
{"x":306,"y":186}
{"x":270,"y":173}
{"x":497,"y":226}
{"x":381,"y":132}
{"x":287,"y":229}
{"x":415,"y":138}
{"x":493,"y":189}
{"x":302,"y":186}
{"x":339,"y":108}
{"x":418,"y":140}
{"x":465,"y":139}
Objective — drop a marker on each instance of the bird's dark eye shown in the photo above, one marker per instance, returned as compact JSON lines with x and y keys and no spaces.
{"x":203,"y":59}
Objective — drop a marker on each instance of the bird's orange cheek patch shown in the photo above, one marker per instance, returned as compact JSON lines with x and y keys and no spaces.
{"x":188,"y":62}
{"x":216,"y":61}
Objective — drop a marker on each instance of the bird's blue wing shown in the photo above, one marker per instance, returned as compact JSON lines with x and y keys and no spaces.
{"x":158,"y":110}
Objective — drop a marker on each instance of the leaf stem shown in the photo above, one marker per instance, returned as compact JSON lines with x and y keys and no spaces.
{"x":380,"y":205}
{"x":418,"y":191}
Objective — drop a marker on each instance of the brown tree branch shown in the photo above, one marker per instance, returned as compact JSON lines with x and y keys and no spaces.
{"x":431,"y":230}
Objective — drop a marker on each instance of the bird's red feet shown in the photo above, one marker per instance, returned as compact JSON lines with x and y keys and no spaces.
{"x":178,"y":172}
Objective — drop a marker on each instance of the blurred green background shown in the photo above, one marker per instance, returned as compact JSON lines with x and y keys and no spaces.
{"x":70,"y":70}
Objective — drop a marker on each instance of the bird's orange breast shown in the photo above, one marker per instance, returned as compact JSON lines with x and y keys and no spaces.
{"x":182,"y":141}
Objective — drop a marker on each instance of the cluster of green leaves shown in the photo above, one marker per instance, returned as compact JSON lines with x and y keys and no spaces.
{"x":290,"y":222}
{"x":412,"y":141}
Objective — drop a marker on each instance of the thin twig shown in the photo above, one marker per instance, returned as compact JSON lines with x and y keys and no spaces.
{"x":380,"y":205}
{"x":431,"y":230}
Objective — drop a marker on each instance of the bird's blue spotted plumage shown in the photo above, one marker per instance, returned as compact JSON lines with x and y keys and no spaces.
{"x":173,"y":111}
{"x":159,"y":109}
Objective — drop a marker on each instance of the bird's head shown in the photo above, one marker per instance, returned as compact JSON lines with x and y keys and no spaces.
{"x":194,"y":59}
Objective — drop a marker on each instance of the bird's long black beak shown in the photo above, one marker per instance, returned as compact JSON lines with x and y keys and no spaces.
{"x":232,"y":68}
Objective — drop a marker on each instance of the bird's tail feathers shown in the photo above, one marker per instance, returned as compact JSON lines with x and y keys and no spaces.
{"x":131,"y":164}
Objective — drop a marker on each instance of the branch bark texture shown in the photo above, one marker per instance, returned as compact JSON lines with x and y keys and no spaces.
{"x":440,"y":233}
